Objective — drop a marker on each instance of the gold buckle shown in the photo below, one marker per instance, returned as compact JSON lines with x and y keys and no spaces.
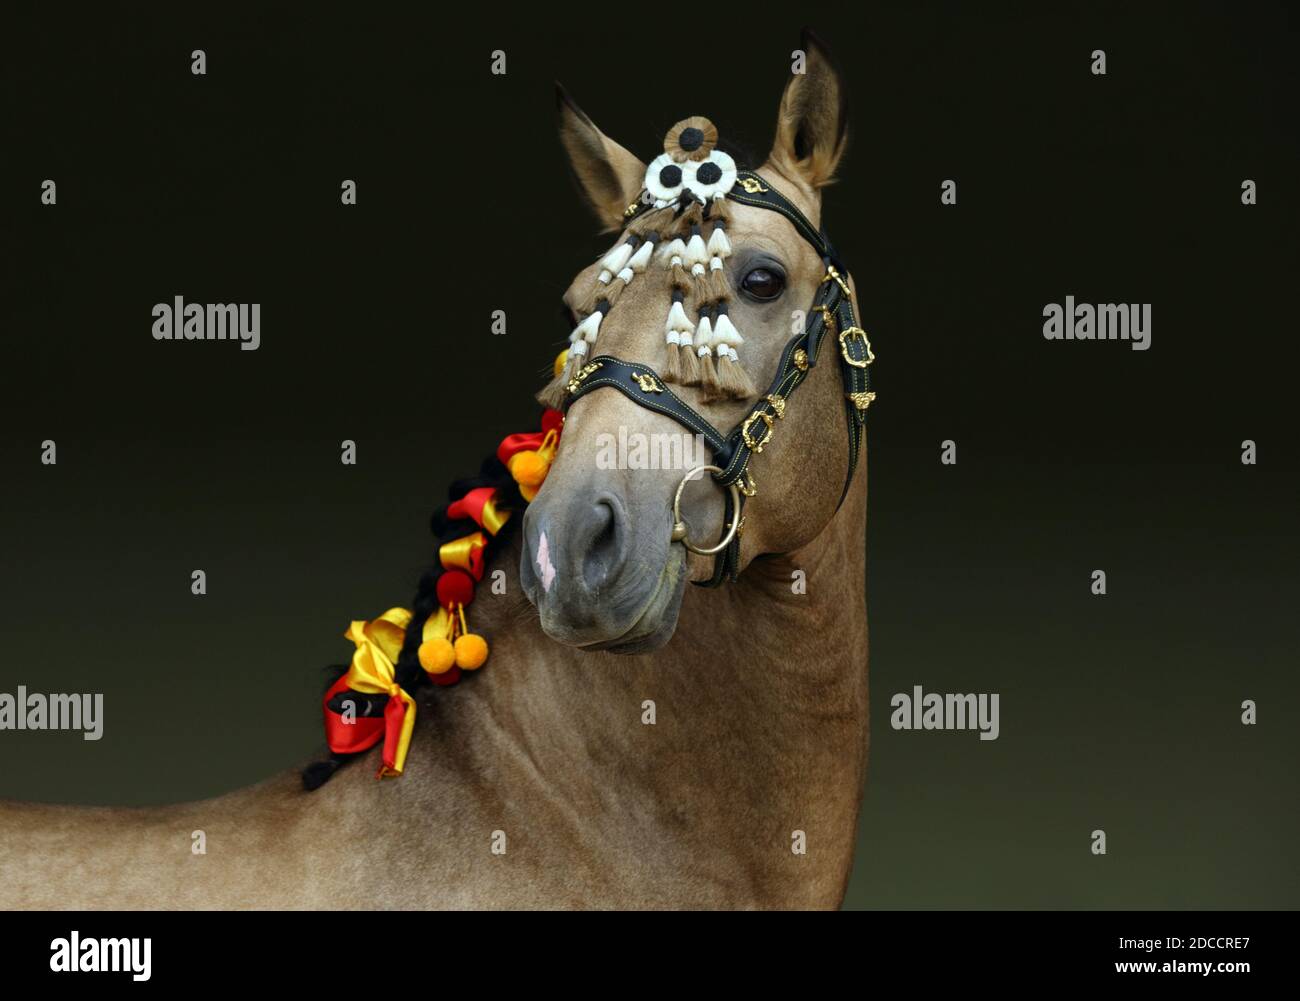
{"x":750,"y":443}
{"x":844,"y":347}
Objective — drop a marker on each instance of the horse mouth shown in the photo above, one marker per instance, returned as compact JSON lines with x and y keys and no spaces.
{"x":657,"y":621}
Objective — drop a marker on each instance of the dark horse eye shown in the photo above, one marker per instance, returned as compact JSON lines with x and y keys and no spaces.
{"x":763,"y":283}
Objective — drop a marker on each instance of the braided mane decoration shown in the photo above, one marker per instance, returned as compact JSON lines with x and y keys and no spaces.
{"x":686,"y":187}
{"x":395,"y":653}
{"x":685,"y":195}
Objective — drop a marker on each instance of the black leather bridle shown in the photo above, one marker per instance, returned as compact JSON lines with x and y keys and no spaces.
{"x":831,"y":313}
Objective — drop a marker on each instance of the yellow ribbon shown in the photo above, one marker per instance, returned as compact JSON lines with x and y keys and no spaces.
{"x":460,"y":553}
{"x":492,"y":518}
{"x":373,"y":671}
{"x":437,"y":626}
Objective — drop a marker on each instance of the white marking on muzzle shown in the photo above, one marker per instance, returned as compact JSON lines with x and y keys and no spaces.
{"x":544,"y":567}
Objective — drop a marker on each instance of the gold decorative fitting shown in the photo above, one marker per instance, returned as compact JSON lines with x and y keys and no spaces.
{"x":832,"y":274}
{"x":861,"y":400}
{"x":581,"y":376}
{"x":748,"y":489}
{"x":844,"y":347}
{"x":752,"y":185}
{"x":756,"y":445}
{"x":631,"y":209}
{"x":828,"y":317}
{"x":647,"y":382}
{"x":778,"y":405}
{"x":800,"y":360}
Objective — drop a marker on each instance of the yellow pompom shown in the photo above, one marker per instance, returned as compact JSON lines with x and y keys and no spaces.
{"x":529,"y":468}
{"x":437,"y":656}
{"x":471,"y":651}
{"x":561,"y":360}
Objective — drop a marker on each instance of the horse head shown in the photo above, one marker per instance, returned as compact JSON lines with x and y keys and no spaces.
{"x":708,"y":294}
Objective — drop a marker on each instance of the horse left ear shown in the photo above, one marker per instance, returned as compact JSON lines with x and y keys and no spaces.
{"x":608,"y":176}
{"x":812,"y":125}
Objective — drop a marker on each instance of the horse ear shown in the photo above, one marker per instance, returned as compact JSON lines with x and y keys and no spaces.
{"x":608,"y":176}
{"x":812,"y":125}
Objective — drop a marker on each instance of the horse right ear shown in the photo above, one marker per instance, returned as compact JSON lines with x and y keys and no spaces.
{"x":811,"y":127}
{"x":607,"y":175}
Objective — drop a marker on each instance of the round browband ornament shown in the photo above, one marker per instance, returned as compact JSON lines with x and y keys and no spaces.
{"x":691,"y":139}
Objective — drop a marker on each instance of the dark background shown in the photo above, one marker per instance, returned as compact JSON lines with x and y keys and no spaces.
{"x":1118,"y":712}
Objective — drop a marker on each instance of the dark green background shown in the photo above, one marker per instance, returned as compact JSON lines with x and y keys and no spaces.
{"x":1119,"y":712}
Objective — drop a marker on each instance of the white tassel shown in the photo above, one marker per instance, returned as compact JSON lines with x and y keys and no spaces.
{"x":673,"y":337}
{"x":696,"y":251}
{"x":626,"y":275}
{"x":719,"y":245}
{"x":614,"y":261}
{"x":579,"y":349}
{"x":604,"y":277}
{"x":715,"y":264}
{"x":674,"y":248}
{"x":725,"y":332}
{"x":641,"y":259}
{"x":677,"y":319}
{"x":588,"y":328}
{"x":704,"y":335}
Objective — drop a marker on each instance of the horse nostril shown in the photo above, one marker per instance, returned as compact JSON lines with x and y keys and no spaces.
{"x":604,"y":557}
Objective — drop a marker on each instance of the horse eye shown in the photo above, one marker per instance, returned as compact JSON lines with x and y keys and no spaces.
{"x":763,"y":283}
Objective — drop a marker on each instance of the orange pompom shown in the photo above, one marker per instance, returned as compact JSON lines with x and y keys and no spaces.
{"x":471,"y":651}
{"x":437,"y":656}
{"x":529,"y":468}
{"x":561,"y":360}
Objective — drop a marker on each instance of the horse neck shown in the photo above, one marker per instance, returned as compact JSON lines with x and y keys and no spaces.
{"x":756,"y":679}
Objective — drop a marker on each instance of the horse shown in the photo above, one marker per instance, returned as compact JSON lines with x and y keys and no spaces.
{"x":634,"y":742}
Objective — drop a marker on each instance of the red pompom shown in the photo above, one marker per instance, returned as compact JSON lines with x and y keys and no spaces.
{"x":455,"y":587}
{"x":552,"y":420}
